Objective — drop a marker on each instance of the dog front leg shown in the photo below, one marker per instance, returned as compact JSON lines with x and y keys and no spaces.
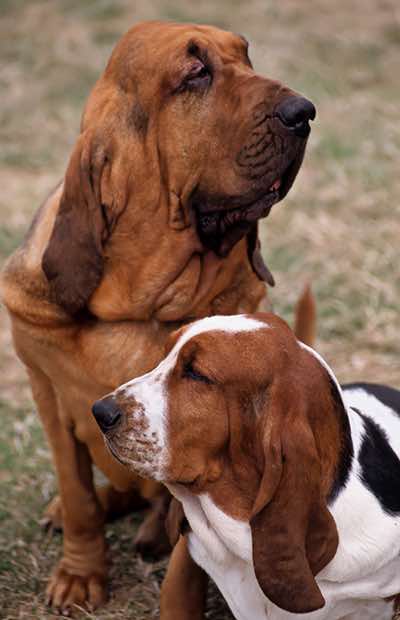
{"x":184,"y":589}
{"x":80,"y":577}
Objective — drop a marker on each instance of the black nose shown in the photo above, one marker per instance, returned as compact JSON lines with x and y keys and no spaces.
{"x":295,"y":113}
{"x":106,"y":413}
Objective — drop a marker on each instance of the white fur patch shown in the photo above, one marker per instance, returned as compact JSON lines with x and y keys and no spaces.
{"x":369,"y":537}
{"x":222,"y":546}
{"x":149,"y":394}
{"x":232,"y":324}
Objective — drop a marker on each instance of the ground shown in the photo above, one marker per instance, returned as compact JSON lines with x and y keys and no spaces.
{"x":338,"y":228}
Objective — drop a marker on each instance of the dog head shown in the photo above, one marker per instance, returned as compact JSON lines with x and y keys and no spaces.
{"x":178,"y":133}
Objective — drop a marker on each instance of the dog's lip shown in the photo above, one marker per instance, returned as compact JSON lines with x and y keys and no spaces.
{"x":262,"y":204}
{"x":252,"y":212}
{"x":113,"y":451}
{"x":277,"y":191}
{"x":231,"y":206}
{"x":275,"y":186}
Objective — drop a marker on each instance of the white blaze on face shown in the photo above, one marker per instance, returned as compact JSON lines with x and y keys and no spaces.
{"x":150,"y":394}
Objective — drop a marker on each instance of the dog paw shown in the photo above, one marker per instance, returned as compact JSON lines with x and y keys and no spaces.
{"x":66,"y":591}
{"x":52,"y":516}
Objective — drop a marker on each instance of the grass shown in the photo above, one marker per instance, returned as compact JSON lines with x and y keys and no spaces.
{"x":339,"y":226}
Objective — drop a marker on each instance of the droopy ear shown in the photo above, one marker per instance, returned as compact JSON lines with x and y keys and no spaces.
{"x":255,"y":256}
{"x":73,"y":259}
{"x":294,"y":535}
{"x":176,"y":522}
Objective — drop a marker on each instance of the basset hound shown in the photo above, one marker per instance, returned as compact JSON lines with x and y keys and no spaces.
{"x":290,"y":483}
{"x":183,"y":148}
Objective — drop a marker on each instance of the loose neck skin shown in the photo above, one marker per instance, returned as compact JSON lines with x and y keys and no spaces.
{"x":136,"y":285}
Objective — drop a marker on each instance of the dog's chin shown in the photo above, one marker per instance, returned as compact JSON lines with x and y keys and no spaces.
{"x":223,"y":221}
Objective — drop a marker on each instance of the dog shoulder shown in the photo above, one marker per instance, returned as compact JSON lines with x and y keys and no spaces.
{"x":23,"y":286}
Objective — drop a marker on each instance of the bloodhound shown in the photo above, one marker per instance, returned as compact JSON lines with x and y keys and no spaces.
{"x":182,"y":149}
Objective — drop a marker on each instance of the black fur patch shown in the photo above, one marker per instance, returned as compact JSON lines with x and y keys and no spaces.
{"x":387,"y":395}
{"x":347,"y":450}
{"x":380,"y":466}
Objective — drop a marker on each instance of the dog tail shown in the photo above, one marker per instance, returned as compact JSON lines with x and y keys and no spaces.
{"x":305,"y":325}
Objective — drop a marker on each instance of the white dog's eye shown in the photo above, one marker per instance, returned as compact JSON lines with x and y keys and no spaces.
{"x":189,"y":372}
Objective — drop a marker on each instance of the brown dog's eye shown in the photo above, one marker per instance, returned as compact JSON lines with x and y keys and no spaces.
{"x":189,"y":372}
{"x":198,"y":78}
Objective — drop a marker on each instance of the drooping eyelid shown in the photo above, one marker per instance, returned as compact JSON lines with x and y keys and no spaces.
{"x":196,"y":67}
{"x":195,"y":50}
{"x":179,"y":82}
{"x":189,"y":356}
{"x":192,"y":372}
{"x":198,"y":51}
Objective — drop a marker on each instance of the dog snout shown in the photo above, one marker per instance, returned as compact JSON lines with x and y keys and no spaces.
{"x":106,"y":413}
{"x":295,"y":113}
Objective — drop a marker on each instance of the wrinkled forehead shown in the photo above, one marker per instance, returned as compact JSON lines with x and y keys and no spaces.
{"x":166,"y":41}
{"x":167,"y":33}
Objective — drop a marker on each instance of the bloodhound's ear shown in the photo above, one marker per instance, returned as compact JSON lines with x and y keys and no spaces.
{"x":294,"y":535}
{"x":176,"y":522}
{"x":255,"y":256}
{"x":73,"y":259}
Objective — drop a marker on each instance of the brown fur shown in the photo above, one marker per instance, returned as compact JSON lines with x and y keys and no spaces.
{"x":294,"y":535}
{"x":305,"y":317}
{"x":147,"y":230}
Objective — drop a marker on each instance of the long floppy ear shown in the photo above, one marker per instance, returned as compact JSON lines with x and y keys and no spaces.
{"x":294,"y":535}
{"x":255,"y":256}
{"x":73,"y":259}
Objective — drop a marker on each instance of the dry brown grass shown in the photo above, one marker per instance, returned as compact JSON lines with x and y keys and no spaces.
{"x":339,"y":227}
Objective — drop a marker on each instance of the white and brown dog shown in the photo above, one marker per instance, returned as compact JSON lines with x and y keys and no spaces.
{"x":290,"y":483}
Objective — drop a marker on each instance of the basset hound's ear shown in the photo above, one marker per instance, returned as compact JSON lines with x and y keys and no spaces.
{"x":176,"y":522}
{"x":255,"y":256}
{"x":294,"y":535}
{"x":73,"y":259}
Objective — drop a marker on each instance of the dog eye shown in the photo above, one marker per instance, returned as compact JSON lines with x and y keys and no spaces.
{"x":198,"y":78}
{"x":189,"y":372}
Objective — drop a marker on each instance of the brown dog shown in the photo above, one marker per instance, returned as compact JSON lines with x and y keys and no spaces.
{"x":182,"y":149}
